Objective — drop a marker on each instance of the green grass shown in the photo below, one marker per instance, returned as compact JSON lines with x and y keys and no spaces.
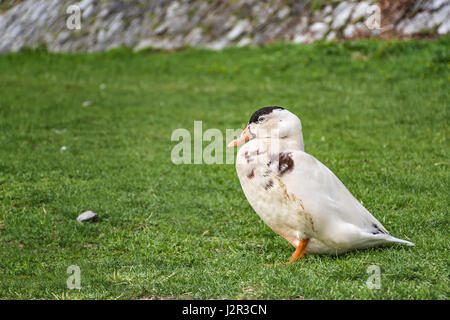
{"x":375,"y":112}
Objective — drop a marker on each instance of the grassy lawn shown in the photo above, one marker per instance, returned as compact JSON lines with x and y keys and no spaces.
{"x":375,"y":112}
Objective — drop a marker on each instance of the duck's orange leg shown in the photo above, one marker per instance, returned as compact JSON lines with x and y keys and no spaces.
{"x":299,"y":252}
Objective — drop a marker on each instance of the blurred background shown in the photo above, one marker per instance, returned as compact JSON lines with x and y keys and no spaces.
{"x":215,"y":24}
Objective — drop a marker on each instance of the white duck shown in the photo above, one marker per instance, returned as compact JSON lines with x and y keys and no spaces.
{"x":296,"y":195}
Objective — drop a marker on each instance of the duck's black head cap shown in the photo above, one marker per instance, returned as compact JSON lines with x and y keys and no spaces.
{"x":262,"y":111}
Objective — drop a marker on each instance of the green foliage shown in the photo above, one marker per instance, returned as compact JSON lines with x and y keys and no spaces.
{"x":375,"y":112}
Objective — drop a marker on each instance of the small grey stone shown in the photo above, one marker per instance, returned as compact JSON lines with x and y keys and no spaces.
{"x":87,"y":216}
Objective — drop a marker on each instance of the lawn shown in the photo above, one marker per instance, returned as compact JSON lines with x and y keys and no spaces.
{"x":93,"y":132}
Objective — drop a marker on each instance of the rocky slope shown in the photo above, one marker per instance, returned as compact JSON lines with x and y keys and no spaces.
{"x":215,"y":24}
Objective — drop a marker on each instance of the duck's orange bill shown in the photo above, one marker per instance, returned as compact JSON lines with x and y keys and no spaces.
{"x":244,"y":137}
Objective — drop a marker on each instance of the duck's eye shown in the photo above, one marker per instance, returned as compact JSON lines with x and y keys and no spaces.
{"x":261,"y":119}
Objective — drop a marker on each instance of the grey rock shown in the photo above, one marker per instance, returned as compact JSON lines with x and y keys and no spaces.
{"x":194,"y":37}
{"x":303,"y":38}
{"x":262,"y":11}
{"x":331,"y":36}
{"x":217,"y":45}
{"x":101,"y":37}
{"x":242,"y":26}
{"x":327,"y":10}
{"x":349,"y":31}
{"x":440,"y":16}
{"x":88,"y":12}
{"x":360,"y":11}
{"x":169,"y":24}
{"x":301,"y":32}
{"x":244,"y":42}
{"x":283,"y":13}
{"x":341,"y":14}
{"x":87,"y":216}
{"x":319,"y":15}
{"x":444,"y":28}
{"x":418,"y":23}
{"x":85,"y":4}
{"x":433,"y":4}
{"x":318,"y":30}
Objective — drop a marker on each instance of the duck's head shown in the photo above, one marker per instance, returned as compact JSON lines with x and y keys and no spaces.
{"x":272,"y":123}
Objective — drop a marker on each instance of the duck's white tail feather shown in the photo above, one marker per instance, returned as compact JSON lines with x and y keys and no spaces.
{"x":374,"y":240}
{"x":390,"y":238}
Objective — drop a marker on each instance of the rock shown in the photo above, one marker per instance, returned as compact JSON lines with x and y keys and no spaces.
{"x":88,"y":12}
{"x":274,"y":30}
{"x":433,"y":4}
{"x":328,"y":19}
{"x":244,"y":42}
{"x":303,"y":38}
{"x":283,"y":13}
{"x":262,"y":11}
{"x":418,"y":23}
{"x":319,"y":15}
{"x":440,"y":16}
{"x":170,"y":24}
{"x":85,"y":4}
{"x":217,"y":45}
{"x":360,"y":11}
{"x":194,"y":37}
{"x":331,"y":36}
{"x":87,"y":216}
{"x":361,"y":28}
{"x":241,"y":27}
{"x":144,"y":44}
{"x":101,"y":37}
{"x":328,"y":9}
{"x":318,"y":30}
{"x":349,"y":31}
{"x":341,"y":14}
{"x":444,"y":28}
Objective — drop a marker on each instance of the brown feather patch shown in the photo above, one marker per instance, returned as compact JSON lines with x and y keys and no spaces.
{"x":285,"y":163}
{"x":269,"y":184}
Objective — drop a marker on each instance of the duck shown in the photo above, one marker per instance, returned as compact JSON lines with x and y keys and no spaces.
{"x":296,"y":195}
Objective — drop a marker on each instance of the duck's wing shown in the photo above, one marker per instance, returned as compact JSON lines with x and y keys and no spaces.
{"x":331,"y":205}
